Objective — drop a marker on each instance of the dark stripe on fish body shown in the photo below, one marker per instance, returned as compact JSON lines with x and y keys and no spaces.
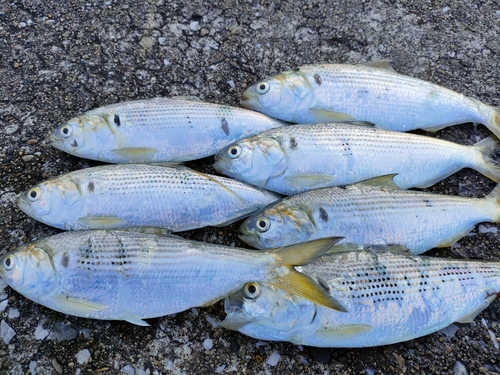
{"x":323,"y":215}
{"x":317,"y":79}
{"x":91,"y":187}
{"x":117,"y":120}
{"x":225,"y":126}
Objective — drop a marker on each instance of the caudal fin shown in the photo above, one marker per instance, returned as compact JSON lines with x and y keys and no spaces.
{"x":495,"y":197}
{"x":494,"y":123}
{"x":286,"y":277}
{"x":487,"y":166}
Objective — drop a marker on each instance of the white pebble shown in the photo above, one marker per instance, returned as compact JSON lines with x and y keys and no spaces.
{"x":162,"y":40}
{"x":169,"y":366}
{"x":445,"y":9}
{"x":3,"y":305}
{"x":459,"y":369}
{"x":6,"y":332}
{"x":22,"y":24}
{"x":14,"y":313}
{"x":33,"y":367}
{"x":194,"y":26}
{"x":195,"y":311}
{"x":40,"y":332}
{"x":449,"y":331}
{"x":231,"y":84}
{"x":212,"y":321}
{"x":166,"y":62}
{"x":82,"y":356}
{"x":208,"y":344}
{"x":219,"y":369}
{"x":258,"y":344}
{"x":273,"y":359}
{"x":128,"y":369}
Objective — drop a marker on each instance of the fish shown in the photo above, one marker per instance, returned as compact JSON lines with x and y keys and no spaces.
{"x":371,"y":92}
{"x":132,"y":276}
{"x":296,"y":158}
{"x":157,"y":130}
{"x":370,"y":212}
{"x":391,"y":296}
{"x":172,"y":197}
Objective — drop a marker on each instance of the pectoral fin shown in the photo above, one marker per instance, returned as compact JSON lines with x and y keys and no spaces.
{"x":348,"y":330}
{"x":323,"y":115}
{"x":102,"y":222}
{"x":308,"y":181}
{"x":134,"y":154}
{"x":77,"y":306}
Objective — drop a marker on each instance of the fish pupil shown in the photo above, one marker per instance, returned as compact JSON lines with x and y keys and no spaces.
{"x":234,"y":151}
{"x":33,"y":194}
{"x":252,"y":289}
{"x":262,"y":87}
{"x":8,"y":263}
{"x":262,"y":224}
{"x":65,"y":131}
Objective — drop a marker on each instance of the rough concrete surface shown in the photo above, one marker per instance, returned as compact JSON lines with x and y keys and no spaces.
{"x":58,"y":59}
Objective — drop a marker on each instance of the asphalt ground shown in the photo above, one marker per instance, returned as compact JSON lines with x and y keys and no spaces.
{"x":59,"y":59}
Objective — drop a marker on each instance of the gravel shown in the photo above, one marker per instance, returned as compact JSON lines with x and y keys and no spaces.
{"x":58,"y":59}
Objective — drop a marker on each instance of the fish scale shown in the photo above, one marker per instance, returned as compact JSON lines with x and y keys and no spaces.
{"x":390,"y":297}
{"x":297,"y":158}
{"x":366,"y":92}
{"x":369,"y":215}
{"x":139,"y":195}
{"x":157,"y":130}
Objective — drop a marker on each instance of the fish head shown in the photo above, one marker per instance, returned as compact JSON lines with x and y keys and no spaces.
{"x":254,"y":160}
{"x":282,"y":96}
{"x":265,"y":312}
{"x":278,"y":225}
{"x":54,"y":202}
{"x":84,"y":136}
{"x":29,"y":270}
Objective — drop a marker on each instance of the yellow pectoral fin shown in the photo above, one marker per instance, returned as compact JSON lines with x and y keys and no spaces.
{"x":386,"y":181}
{"x":324,"y":115}
{"x":77,"y":306}
{"x":135,"y":154}
{"x":103,"y":222}
{"x":343,"y":331}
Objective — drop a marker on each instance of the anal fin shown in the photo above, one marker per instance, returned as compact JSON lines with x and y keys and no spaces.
{"x":134,"y":154}
{"x":348,"y":330}
{"x":308,"y":181}
{"x":324,"y":115}
{"x":77,"y":306}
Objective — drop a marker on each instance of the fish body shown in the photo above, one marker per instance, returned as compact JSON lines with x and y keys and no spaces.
{"x":390,"y":298}
{"x":157,"y":130}
{"x":368,"y":215}
{"x":367,"y":92}
{"x":141,"y":195}
{"x":297,"y":158}
{"x":126,"y":275}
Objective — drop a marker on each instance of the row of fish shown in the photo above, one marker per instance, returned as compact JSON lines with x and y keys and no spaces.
{"x":347,"y":297}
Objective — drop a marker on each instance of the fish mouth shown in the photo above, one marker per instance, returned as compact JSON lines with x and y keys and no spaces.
{"x":247,"y":100}
{"x":250,"y":240}
{"x":234,"y":315}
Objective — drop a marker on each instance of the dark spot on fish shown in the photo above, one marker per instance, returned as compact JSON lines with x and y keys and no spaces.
{"x":293,"y":143}
{"x":317,"y":79}
{"x":427,"y":203}
{"x":323,"y":284}
{"x":75,"y":143}
{"x":65,"y":260}
{"x":225,"y":126}
{"x":90,"y":187}
{"x":117,"y":120}
{"x":323,"y":215}
{"x":296,"y":69}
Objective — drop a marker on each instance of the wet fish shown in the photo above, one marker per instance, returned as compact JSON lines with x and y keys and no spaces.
{"x":390,"y":297}
{"x":157,"y":130}
{"x":366,"y":92}
{"x":369,"y":213}
{"x":296,"y":158}
{"x":125,"y":275}
{"x":138,"y":195}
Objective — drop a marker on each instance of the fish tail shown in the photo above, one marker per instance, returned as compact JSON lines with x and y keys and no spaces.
{"x":488,"y":147}
{"x":494,"y":123}
{"x":495,"y":196}
{"x":286,"y":277}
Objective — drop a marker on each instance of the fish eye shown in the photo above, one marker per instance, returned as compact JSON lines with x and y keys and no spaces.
{"x":234,"y":151}
{"x":263,"y":224}
{"x":8,"y":262}
{"x":66,"y":131}
{"x":34,"y":194}
{"x":262,"y":88}
{"x":251,"y":290}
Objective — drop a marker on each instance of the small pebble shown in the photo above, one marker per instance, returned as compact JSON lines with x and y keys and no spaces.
{"x":82,"y":356}
{"x":127,"y":369}
{"x":6,"y":332}
{"x":459,"y":369}
{"x":27,"y":157}
{"x":32,"y":141}
{"x":57,"y":366}
{"x":208,"y":344}
{"x":273,"y":359}
{"x":33,"y":367}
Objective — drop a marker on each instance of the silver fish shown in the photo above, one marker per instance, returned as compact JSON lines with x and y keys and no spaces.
{"x":140,"y":195}
{"x":157,"y":130}
{"x":366,"y":92}
{"x":390,"y":297}
{"x":368,"y":213}
{"x":297,"y":158}
{"x":125,"y":275}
